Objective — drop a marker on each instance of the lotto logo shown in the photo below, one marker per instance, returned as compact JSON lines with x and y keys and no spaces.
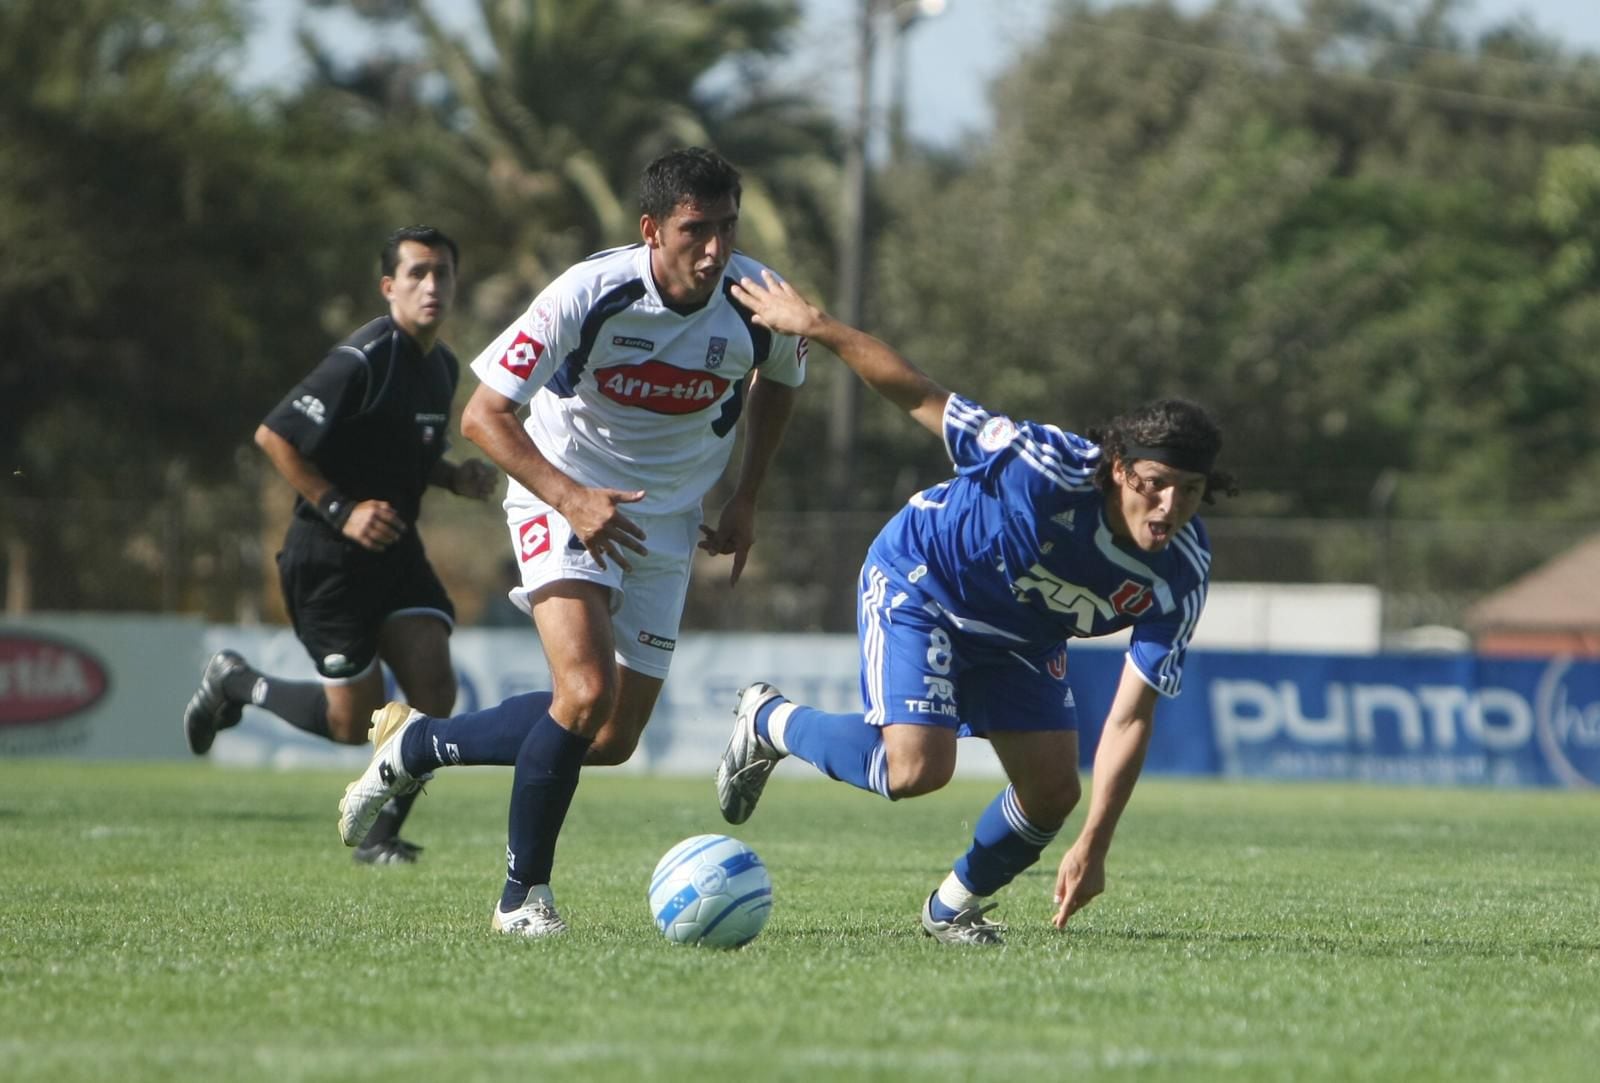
{"x":520,"y":357}
{"x":533,"y":537}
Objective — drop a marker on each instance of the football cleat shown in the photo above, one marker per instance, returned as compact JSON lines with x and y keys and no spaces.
{"x":748,"y":761}
{"x":967,"y":927}
{"x":385,"y":776}
{"x":535,"y":918}
{"x":393,"y":851}
{"x":210,"y":709}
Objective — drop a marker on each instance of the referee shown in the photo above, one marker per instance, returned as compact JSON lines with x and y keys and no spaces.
{"x":360,"y":439}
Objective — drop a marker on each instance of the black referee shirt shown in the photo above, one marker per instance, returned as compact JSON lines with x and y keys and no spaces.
{"x":373,"y":416}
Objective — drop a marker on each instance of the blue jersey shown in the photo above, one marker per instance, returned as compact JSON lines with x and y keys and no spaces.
{"x":1015,"y":550}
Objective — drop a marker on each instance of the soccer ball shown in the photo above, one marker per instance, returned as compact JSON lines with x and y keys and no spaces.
{"x":710,"y":889}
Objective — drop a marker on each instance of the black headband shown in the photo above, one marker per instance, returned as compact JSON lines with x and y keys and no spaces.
{"x":1198,"y":462}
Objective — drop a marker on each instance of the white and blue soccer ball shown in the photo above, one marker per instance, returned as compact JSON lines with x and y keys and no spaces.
{"x":712,"y":890}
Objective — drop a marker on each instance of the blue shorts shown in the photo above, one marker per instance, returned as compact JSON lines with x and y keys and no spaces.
{"x":916,"y":668}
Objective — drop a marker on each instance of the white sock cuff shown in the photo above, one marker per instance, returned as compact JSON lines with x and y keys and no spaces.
{"x":954,"y":894}
{"x":777,"y":723}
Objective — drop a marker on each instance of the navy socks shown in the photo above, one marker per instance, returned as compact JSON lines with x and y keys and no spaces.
{"x":490,"y":737}
{"x":548,"y":764}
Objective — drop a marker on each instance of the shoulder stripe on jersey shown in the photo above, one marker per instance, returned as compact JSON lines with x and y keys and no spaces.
{"x":760,"y":350}
{"x":967,"y":416}
{"x":1169,"y":674}
{"x":1187,"y":543}
{"x":616,"y":300}
{"x":370,"y":394}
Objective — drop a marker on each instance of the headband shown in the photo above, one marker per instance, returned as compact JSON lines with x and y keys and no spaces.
{"x":1191,"y":459}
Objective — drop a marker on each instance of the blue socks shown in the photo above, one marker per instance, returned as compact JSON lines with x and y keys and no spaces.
{"x":1003,"y":845}
{"x":841,"y":746}
{"x":541,"y":792}
{"x":490,"y":737}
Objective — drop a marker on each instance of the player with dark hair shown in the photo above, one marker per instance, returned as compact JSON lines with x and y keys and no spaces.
{"x":360,"y":439}
{"x":967,"y":597}
{"x":635,"y":366}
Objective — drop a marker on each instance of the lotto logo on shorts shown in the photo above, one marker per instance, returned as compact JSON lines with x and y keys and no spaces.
{"x":522,"y":355}
{"x":533,"y":538}
{"x":660,"y":643}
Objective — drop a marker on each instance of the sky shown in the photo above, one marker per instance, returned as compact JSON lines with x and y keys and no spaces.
{"x":950,"y":59}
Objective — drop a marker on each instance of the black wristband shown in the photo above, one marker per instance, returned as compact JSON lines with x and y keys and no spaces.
{"x":335,"y":507}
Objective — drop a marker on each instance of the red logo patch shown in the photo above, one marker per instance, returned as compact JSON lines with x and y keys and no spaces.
{"x":661,"y":388}
{"x":520,"y":357}
{"x":42,"y":680}
{"x":1057,"y":665}
{"x":1132,"y":598}
{"x":533,"y":537}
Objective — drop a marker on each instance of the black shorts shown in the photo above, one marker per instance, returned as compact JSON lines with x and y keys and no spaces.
{"x":339,"y":594}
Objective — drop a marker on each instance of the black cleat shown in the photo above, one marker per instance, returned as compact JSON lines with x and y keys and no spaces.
{"x":209,"y":709}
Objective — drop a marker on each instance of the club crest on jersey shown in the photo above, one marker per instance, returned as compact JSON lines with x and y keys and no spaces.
{"x":996,"y":433}
{"x":520,"y":357}
{"x":660,"y":388}
{"x":1057,"y":665}
{"x":1132,"y":598}
{"x":716,"y":352}
{"x":533,"y":537}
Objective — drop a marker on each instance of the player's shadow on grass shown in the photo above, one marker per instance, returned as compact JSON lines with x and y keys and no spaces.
{"x":266,"y":816}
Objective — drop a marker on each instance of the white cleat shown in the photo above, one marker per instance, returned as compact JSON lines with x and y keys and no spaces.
{"x":385,"y":776}
{"x":534,"y":919}
{"x":967,"y":927}
{"x":748,"y":761}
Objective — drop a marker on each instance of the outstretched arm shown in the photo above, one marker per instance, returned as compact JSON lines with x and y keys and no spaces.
{"x":779,"y":306}
{"x":1117,"y":764}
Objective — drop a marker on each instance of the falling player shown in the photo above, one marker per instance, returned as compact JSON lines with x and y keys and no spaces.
{"x":966,"y":599}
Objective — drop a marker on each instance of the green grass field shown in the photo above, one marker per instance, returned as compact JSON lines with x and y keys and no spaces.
{"x":181,"y":922}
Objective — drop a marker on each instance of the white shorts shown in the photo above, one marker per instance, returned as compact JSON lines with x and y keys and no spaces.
{"x":646,"y":603}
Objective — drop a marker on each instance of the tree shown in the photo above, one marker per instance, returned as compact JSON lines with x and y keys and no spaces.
{"x":168,"y":248}
{"x":544,"y":121}
{"x":1328,"y":230}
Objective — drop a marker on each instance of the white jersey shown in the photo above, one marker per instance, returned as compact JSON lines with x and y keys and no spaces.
{"x":625,"y":393}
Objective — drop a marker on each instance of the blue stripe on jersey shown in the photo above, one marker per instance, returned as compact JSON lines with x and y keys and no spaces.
{"x":760,"y":349}
{"x":565,"y":380}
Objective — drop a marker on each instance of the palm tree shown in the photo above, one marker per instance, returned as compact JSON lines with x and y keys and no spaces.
{"x":549,"y":115}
